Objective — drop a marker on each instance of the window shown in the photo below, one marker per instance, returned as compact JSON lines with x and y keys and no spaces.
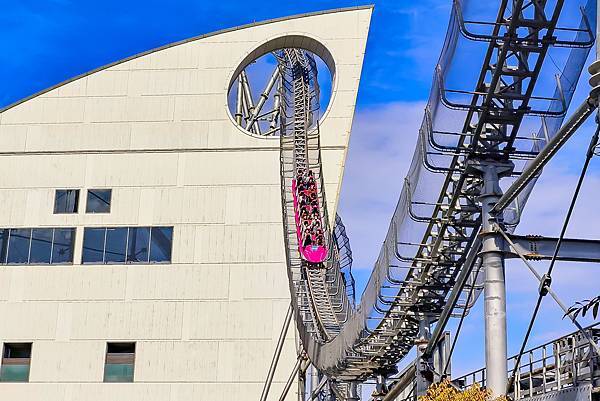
{"x":119,"y":363}
{"x":37,"y":246}
{"x":16,"y":358}
{"x":66,"y":201}
{"x":161,"y":240}
{"x":98,"y":201}
{"x":107,"y":245}
{"x":138,"y":244}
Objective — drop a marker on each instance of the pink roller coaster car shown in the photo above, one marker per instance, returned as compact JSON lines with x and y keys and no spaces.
{"x":311,"y":253}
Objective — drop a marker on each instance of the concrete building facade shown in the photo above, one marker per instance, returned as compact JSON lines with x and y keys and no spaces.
{"x":155,"y":129}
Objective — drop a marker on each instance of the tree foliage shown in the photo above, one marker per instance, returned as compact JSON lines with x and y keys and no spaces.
{"x":584,"y":307}
{"x":444,"y":391}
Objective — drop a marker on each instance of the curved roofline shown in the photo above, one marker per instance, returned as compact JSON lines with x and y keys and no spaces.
{"x":180,"y":42}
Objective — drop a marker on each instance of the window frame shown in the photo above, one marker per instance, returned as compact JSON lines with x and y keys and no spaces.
{"x":127,"y":237}
{"x":4,"y":360}
{"x":77,"y":200}
{"x":127,"y":355}
{"x":6,"y":248}
{"x":90,"y":191}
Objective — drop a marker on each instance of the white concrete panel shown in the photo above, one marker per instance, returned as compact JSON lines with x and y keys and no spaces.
{"x":190,"y":361}
{"x":260,"y":204}
{"x":33,"y":391}
{"x":12,"y":201}
{"x":244,"y":243}
{"x":108,"y":170}
{"x":28,"y":321}
{"x":13,"y":137}
{"x":127,"y":320}
{"x":259,"y":281}
{"x":42,"y":171}
{"x":248,"y":361}
{"x":5,"y":276}
{"x":109,"y":83}
{"x":178,"y":82}
{"x":189,"y":282}
{"x":67,"y":361}
{"x":74,"y":284}
{"x":46,"y":110}
{"x":67,"y":137}
{"x":167,"y":135}
{"x":227,"y":168}
{"x":119,"y":391}
{"x":112,"y":109}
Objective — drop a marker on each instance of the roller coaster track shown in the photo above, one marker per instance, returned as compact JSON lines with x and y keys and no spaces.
{"x":411,"y":280}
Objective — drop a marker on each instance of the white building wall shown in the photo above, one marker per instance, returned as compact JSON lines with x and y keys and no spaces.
{"x":156,"y":130}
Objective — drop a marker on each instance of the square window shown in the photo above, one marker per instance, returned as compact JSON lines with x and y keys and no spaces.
{"x":16,"y":359}
{"x":98,"y":201}
{"x":119,"y":362}
{"x":66,"y":201}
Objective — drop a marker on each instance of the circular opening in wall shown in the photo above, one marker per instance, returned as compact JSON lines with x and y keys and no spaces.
{"x":262,"y":89}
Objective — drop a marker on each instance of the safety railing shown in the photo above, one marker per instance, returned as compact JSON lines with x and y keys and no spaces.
{"x":566,"y":362}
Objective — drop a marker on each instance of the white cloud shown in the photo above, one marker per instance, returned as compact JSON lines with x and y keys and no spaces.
{"x":381,"y":147}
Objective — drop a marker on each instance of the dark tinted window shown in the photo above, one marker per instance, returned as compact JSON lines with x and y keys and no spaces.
{"x":62,"y":248}
{"x":41,"y":245}
{"x":16,"y":359}
{"x":161,"y":244}
{"x":138,"y":245}
{"x":98,"y":201}
{"x":93,"y":245}
{"x":18,"y":245}
{"x":116,"y":240}
{"x":127,"y":245}
{"x":37,"y":245}
{"x":66,"y":201}
{"x":3,"y":244}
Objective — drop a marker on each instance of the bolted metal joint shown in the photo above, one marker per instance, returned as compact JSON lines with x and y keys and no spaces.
{"x":545,"y":283}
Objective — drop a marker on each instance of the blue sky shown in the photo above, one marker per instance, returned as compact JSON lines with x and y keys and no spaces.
{"x":46,"y":42}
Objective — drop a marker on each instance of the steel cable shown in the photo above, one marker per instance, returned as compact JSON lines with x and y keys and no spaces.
{"x":547,"y":277}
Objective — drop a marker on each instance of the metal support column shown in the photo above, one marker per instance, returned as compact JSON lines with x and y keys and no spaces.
{"x":424,"y":375}
{"x":301,"y":385}
{"x":494,"y":286}
{"x":353,"y":392}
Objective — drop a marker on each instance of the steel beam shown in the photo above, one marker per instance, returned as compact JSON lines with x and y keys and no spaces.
{"x":534,"y":247}
{"x":534,"y":167}
{"x":461,"y":280}
{"x":407,"y":378}
{"x":277,"y":354}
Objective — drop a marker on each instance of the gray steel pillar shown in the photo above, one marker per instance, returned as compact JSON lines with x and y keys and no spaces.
{"x":423,"y":373}
{"x":494,"y":286}
{"x":353,"y":394}
{"x":301,"y":385}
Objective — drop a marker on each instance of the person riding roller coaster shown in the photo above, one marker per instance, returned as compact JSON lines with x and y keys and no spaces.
{"x":311,"y":238}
